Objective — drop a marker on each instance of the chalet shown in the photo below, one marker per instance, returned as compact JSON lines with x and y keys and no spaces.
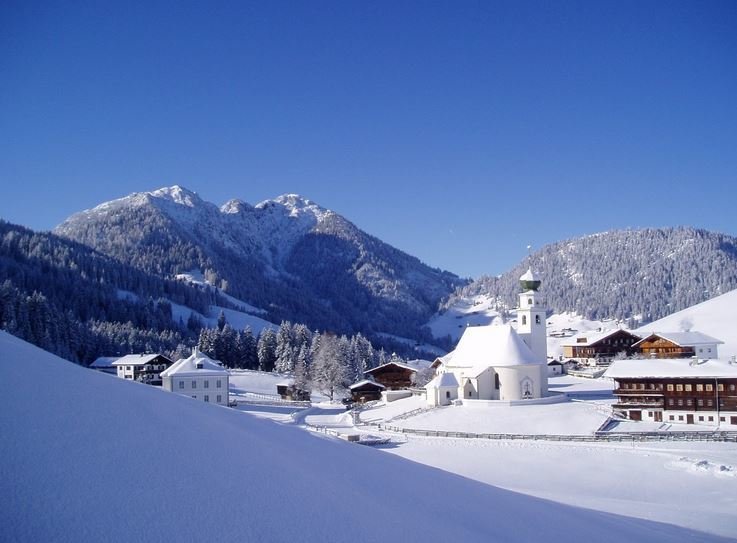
{"x":289,"y":391}
{"x":144,"y":368}
{"x":366,"y":391}
{"x":602,"y":345}
{"x":676,"y":390}
{"x":105,"y":364}
{"x":198,"y":376}
{"x":398,"y":375}
{"x":678,"y":345}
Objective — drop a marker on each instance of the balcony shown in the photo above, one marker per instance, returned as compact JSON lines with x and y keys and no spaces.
{"x":633,"y":392}
{"x":627,"y":403}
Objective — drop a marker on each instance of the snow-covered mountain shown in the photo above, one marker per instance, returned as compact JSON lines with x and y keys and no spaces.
{"x":289,"y":256}
{"x":89,"y":457}
{"x":716,"y":317}
{"x":634,"y":275}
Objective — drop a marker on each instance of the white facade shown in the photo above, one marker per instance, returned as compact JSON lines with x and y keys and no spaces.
{"x":199,"y":377}
{"x":145,"y":368}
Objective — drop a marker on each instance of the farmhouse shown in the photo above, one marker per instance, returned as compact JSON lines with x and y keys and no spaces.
{"x":601,"y":345}
{"x":398,"y":375}
{"x":366,"y":391}
{"x":198,"y":376}
{"x":678,"y":345}
{"x":676,"y":390}
{"x":105,"y":364}
{"x":498,"y":362}
{"x":145,"y":368}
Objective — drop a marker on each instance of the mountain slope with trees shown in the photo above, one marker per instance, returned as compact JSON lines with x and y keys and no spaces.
{"x":641,"y":275}
{"x":289,"y":256}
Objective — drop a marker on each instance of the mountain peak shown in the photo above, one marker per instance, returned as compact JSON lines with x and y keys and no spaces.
{"x":234,"y":206}
{"x":178,"y":195}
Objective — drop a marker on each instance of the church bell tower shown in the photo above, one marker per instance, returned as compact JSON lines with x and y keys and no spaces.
{"x":531,"y":315}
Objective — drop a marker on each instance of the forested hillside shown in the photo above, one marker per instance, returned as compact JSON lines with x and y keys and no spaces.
{"x":645,"y":274}
{"x":289,"y":256}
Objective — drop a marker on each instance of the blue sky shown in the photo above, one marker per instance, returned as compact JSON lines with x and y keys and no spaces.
{"x":459,"y":132}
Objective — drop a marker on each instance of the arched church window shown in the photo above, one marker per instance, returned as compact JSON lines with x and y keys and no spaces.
{"x":524,"y":319}
{"x":529,"y":301}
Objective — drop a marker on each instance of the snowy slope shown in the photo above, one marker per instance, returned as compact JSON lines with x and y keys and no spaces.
{"x":716,"y":317}
{"x":89,"y":457}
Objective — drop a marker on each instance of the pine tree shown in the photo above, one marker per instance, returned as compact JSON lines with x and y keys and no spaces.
{"x":267,"y":350}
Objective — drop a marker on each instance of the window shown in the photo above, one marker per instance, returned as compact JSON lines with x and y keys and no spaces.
{"x":720,"y":387}
{"x":496,"y":381}
{"x":709,"y":388}
{"x":447,"y":394}
{"x":524,"y":319}
{"x":722,"y":419}
{"x":710,"y":403}
{"x":689,"y":402}
{"x":700,"y":402}
{"x":537,"y":319}
{"x":641,"y":386}
{"x":672,"y":417}
{"x":529,"y":301}
{"x":699,"y":388}
{"x":181,"y":384}
{"x":687,"y":388}
{"x":670,"y":388}
{"x":207,"y":398}
{"x":220,"y":399}
{"x":680,"y":402}
{"x":680,"y":417}
{"x":711,"y":419}
{"x":731,"y":388}
{"x":207,"y":383}
{"x":194,"y":384}
{"x":701,"y":419}
{"x":671,"y":401}
{"x":218,"y":383}
{"x":679,"y":388}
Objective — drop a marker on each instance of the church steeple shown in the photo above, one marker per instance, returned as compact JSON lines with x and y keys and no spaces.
{"x":531,"y":316}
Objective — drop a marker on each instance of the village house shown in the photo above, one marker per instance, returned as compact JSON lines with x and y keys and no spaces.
{"x":144,"y":368}
{"x":555,"y":368}
{"x":366,"y":391}
{"x":198,"y":376}
{"x":498,"y":362}
{"x":105,"y":364}
{"x":678,"y":345}
{"x":600,"y":346}
{"x":696,"y":391}
{"x":398,"y":375}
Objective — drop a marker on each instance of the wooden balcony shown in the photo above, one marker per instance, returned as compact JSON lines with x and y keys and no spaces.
{"x":632,"y":392}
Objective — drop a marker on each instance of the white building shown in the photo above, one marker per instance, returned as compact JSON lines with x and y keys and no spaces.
{"x":498,"y":362}
{"x":145,"y":368}
{"x":198,"y":376}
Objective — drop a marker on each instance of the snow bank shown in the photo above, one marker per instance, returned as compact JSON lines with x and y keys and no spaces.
{"x":89,"y":457}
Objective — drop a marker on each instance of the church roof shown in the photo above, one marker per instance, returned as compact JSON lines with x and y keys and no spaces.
{"x":495,"y":345}
{"x":528,"y":276}
{"x":442,"y":380}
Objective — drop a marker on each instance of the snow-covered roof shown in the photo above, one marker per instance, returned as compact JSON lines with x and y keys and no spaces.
{"x":104,"y":362}
{"x":684,"y":339}
{"x":589,"y":338}
{"x":671,"y":367}
{"x":443,"y":380}
{"x":365,"y":382}
{"x":135,"y":359}
{"x":412,"y":365}
{"x":554,"y":363}
{"x":528,"y":276}
{"x":197,"y":363}
{"x":495,"y":345}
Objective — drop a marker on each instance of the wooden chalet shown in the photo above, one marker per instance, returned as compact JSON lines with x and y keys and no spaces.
{"x":396,"y":375}
{"x":678,"y":345}
{"x":288,"y":391}
{"x":366,"y":391}
{"x":676,"y":390}
{"x":144,"y":368}
{"x":601,"y":345}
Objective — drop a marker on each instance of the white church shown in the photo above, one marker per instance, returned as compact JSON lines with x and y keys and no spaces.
{"x":498,"y":362}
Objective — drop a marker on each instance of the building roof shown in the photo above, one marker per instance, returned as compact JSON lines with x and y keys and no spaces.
{"x":684,"y":339}
{"x":494,"y":345}
{"x":196,"y":364}
{"x":554,"y":363}
{"x":443,"y":380}
{"x":104,"y":362}
{"x":528,"y":276}
{"x":671,"y":368}
{"x":135,"y":359}
{"x":593,"y":337}
{"x":412,"y":365}
{"x":365,"y":382}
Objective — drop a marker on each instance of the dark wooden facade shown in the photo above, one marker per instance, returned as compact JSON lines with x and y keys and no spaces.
{"x":658,"y":347}
{"x":366,"y":392}
{"x":290,"y":392}
{"x":605,"y":348}
{"x":692,"y":400}
{"x":393,"y":376}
